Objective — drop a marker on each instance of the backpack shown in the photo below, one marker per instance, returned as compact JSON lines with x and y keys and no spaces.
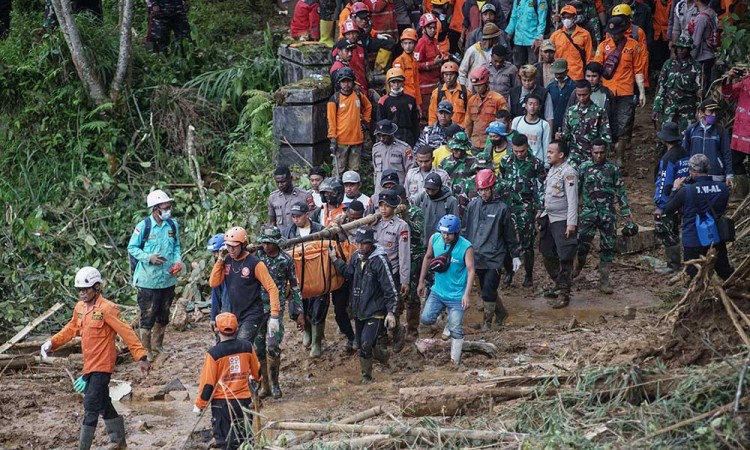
{"x":144,"y":236}
{"x":464,"y":94}
{"x":714,"y":36}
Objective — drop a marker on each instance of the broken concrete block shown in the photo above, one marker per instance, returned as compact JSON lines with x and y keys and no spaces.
{"x":304,"y":61}
{"x":174,"y":385}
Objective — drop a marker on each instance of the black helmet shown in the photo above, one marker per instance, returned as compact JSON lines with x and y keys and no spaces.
{"x":333,"y":184}
{"x":344,"y":73}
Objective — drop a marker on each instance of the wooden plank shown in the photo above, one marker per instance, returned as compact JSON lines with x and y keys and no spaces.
{"x":28,"y":328}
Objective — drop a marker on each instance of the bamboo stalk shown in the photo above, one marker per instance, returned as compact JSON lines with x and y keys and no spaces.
{"x":730,"y":311}
{"x":359,"y":417}
{"x":28,"y":328}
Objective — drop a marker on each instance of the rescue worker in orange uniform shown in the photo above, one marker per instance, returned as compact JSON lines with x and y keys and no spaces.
{"x":625,"y":11}
{"x":429,"y":57}
{"x":348,"y":112}
{"x":659,"y":52}
{"x":225,"y":384}
{"x":408,"y":64}
{"x":483,"y":106}
{"x":572,"y":43}
{"x":451,"y":91}
{"x":97,"y":321}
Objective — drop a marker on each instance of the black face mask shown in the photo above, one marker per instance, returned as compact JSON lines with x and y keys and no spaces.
{"x":331,"y":201}
{"x":497,"y":142}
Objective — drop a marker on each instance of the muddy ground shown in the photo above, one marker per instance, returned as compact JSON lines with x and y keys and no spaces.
{"x":46,"y":413}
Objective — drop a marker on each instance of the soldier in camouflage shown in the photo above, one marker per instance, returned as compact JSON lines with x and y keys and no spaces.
{"x":522,"y":189}
{"x":600,"y":187}
{"x":414,"y":218}
{"x":168,"y":16}
{"x":458,"y":166}
{"x":584,"y":122}
{"x":281,"y":267}
{"x":679,"y":87}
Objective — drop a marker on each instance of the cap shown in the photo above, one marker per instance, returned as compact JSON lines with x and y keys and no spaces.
{"x":350,"y":177}
{"x":317,"y":171}
{"x":433,"y":181}
{"x":709,"y":104}
{"x":698,"y":163}
{"x":364,"y":235}
{"x":617,"y":24}
{"x":445,"y":106}
{"x":569,"y":9}
{"x":389,"y":176}
{"x":560,"y":66}
{"x":356,"y":205}
{"x":547,"y":45}
{"x":343,"y":43}
{"x":489,"y":7}
{"x":299,"y":208}
{"x":490,"y":31}
{"x":385,"y":126}
{"x":399,"y":190}
{"x":389,"y":197}
{"x":670,"y":132}
{"x":226,"y":323}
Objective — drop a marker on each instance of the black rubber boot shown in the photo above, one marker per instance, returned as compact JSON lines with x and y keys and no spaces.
{"x":86,"y":438}
{"x":116,"y":431}
{"x":528,"y":266}
{"x":489,"y":313}
{"x":274,"y":364}
{"x":365,"y":365}
{"x":500,"y":315}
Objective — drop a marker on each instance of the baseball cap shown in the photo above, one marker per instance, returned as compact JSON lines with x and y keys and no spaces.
{"x":489,"y":7}
{"x":364,"y":235}
{"x":299,"y":208}
{"x":389,"y":197}
{"x":570,"y":9}
{"x":547,"y":45}
{"x":226,"y":323}
{"x":560,"y":66}
{"x":445,"y":106}
{"x":343,"y":43}
{"x":389,"y":176}
{"x":709,"y":104}
{"x":433,"y":181}
{"x":350,"y":177}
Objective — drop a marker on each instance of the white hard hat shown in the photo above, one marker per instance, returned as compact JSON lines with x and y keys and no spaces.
{"x":87,"y":277}
{"x":157,"y":197}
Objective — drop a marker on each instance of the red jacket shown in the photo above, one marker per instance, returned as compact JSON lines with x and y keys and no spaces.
{"x":306,"y":20}
{"x":740,"y":92}
{"x":357,"y":64}
{"x":383,"y":16}
{"x":429,"y":73}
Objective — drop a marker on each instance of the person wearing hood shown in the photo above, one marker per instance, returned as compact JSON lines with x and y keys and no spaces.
{"x":373,"y":298}
{"x":497,"y":143}
{"x":436,"y":200}
{"x":709,"y":137}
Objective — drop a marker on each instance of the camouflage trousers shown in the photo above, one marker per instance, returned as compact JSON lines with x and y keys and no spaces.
{"x":589,"y":221}
{"x":667,"y":229}
{"x":416,"y":267}
{"x":264,"y":343}
{"x":166,"y":22}
{"x":524,"y":217}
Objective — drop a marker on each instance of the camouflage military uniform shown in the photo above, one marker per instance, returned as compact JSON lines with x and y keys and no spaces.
{"x":415,"y":219}
{"x":462,"y":178}
{"x":521,"y":189}
{"x":601,"y":187}
{"x":281,"y":269}
{"x":582,"y":125}
{"x":168,"y":16}
{"x":677,"y":94}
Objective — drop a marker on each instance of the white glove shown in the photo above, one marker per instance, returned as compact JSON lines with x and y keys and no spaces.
{"x":332,"y":253}
{"x":273,"y":326}
{"x":47,"y":346}
{"x":197,"y":411}
{"x":390,"y":321}
{"x":383,"y":36}
{"x":516,"y":264}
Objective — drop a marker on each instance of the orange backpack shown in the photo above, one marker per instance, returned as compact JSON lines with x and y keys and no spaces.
{"x":314,"y":268}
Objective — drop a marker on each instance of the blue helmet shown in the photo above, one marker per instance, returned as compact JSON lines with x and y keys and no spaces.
{"x":449,"y":224}
{"x":216,"y":242}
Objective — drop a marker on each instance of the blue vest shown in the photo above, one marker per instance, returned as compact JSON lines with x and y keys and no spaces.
{"x":697,"y":198}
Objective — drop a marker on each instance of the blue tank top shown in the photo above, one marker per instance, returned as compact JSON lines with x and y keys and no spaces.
{"x":451,"y":284}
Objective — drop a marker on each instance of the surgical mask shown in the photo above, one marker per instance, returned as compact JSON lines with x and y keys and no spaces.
{"x":165,"y":214}
{"x":398,"y":91}
{"x":567,"y":23}
{"x":710,"y":120}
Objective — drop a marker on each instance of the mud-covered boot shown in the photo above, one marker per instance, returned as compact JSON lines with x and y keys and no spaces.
{"x":500,"y":315}
{"x":307,"y":335}
{"x":674,"y":260}
{"x":457,"y":346}
{"x":412,"y":322}
{"x":274,"y":365}
{"x":157,"y":336}
{"x":446,"y":334}
{"x":116,"y":431}
{"x":365,"y":366}
{"x":317,"y":337}
{"x":399,"y":336}
{"x":604,"y":286}
{"x":265,"y":388}
{"x":489,"y":313}
{"x":380,"y":352}
{"x":146,"y":342}
{"x":528,"y":267}
{"x":552,"y":265}
{"x":578,"y":265}
{"x":86,"y":438}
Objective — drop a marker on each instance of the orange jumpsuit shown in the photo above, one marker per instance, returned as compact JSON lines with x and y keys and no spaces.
{"x":408,"y":64}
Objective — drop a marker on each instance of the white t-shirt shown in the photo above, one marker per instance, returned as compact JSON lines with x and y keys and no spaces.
{"x":304,"y":231}
{"x":538,"y":134}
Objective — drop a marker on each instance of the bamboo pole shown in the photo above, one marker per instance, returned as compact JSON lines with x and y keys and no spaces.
{"x":28,"y":328}
{"x":359,"y":417}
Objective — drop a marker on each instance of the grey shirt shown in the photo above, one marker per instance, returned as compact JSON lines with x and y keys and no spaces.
{"x":280,"y":205}
{"x":703,"y":25}
{"x":561,"y":194}
{"x":504,"y":78}
{"x":397,"y":156}
{"x":394,"y":236}
{"x":679,"y":17}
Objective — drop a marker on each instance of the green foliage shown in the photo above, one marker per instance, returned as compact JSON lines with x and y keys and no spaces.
{"x":735,"y":41}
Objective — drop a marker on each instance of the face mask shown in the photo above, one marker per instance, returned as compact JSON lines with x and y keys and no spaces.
{"x":567,"y":23}
{"x":710,"y":120}
{"x":397,"y":91}
{"x":165,"y":214}
{"x":497,"y":142}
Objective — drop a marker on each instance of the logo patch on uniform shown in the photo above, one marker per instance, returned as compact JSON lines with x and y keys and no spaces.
{"x":245,"y":272}
{"x":393,"y":109}
{"x":571,"y":179}
{"x":389,"y":245}
{"x":80,"y":315}
{"x":170,"y":233}
{"x":234,"y":364}
{"x":137,"y":231}
{"x":405,"y":236}
{"x":97,"y":315}
{"x":416,"y":55}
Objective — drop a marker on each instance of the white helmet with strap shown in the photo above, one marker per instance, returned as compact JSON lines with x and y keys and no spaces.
{"x":87,"y":277}
{"x":156,"y":198}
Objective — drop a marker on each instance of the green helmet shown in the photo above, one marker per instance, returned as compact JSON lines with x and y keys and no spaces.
{"x":684,"y":41}
{"x":460,"y":141}
{"x":482,"y":161}
{"x":270,"y":235}
{"x":630,"y":229}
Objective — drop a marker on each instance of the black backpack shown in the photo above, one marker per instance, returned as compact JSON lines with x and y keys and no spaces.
{"x":144,"y":236}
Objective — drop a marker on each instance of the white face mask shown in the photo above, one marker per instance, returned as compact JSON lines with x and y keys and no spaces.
{"x":165,"y":214}
{"x":398,"y":91}
{"x":568,"y":23}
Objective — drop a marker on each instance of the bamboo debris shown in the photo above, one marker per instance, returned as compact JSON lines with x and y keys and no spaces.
{"x":28,"y":328}
{"x":426,"y":346}
{"x":453,"y":400}
{"x":359,"y":417}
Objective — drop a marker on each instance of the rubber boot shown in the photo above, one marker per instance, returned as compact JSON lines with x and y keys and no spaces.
{"x":553,"y":268}
{"x":457,"y":346}
{"x":604,"y":287}
{"x":116,"y":431}
{"x":326,"y":33}
{"x":446,"y":333}
{"x":399,"y":335}
{"x":87,"y":437}
{"x":578,"y":265}
{"x":674,"y":260}
{"x":619,"y":152}
{"x":157,"y":336}
{"x":740,"y":188}
{"x":350,"y":345}
{"x":146,"y":342}
{"x":307,"y":335}
{"x":317,"y":337}
{"x":365,"y":366}
{"x":265,"y":388}
{"x":274,"y":364}
{"x":382,"y":60}
{"x":528,"y":266}
{"x":489,"y":313}
{"x":412,"y":322}
{"x":380,"y":352}
{"x":500,"y":315}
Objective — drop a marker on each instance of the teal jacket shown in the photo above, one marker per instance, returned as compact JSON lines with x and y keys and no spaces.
{"x":527,"y":21}
{"x":161,"y":242}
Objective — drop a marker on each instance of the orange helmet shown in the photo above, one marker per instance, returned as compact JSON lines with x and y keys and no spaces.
{"x":480,"y":75}
{"x":449,"y":66}
{"x":398,"y":73}
{"x":426,"y":19}
{"x":348,"y":26}
{"x":410,"y":34}
{"x":236,"y":235}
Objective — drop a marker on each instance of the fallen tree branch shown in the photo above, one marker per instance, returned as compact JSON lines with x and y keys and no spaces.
{"x":426,"y":346}
{"x":453,"y":400}
{"x":359,"y":417}
{"x":28,"y":328}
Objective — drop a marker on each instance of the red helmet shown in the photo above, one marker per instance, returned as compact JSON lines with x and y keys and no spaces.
{"x":348,"y":26}
{"x":359,"y":7}
{"x":485,"y":178}
{"x":480,"y":75}
{"x":427,"y":19}
{"x":449,"y":66}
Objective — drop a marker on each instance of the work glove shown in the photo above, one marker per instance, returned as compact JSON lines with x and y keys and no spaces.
{"x":47,"y":346}
{"x":516,"y":264}
{"x":390,"y":321}
{"x":273,"y":326}
{"x":332,"y":253}
{"x":176,"y":267}
{"x":197,"y":411}
{"x":80,"y":384}
{"x":383,"y":36}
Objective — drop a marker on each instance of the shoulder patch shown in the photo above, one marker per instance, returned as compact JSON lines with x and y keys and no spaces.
{"x":405,"y":236}
{"x":571,"y":179}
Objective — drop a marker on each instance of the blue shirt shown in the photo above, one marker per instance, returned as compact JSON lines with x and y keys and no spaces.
{"x":451,"y":284}
{"x":161,"y":242}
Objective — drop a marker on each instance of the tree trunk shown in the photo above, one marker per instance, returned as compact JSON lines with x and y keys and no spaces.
{"x":426,"y":346}
{"x":123,"y":59}
{"x":452,"y":400}
{"x":80,"y":60}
